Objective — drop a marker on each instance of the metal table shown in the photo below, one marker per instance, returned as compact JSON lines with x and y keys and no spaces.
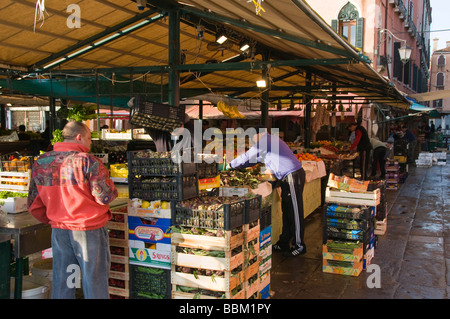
{"x":28,"y":236}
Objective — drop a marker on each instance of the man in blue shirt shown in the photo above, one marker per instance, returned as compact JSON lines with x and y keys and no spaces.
{"x":290,"y":176}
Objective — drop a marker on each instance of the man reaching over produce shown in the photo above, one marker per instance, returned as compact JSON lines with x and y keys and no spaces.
{"x":288,"y":171}
{"x":71,"y":190}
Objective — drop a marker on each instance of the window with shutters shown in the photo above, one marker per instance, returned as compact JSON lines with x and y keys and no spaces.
{"x":440,"y":80}
{"x":441,"y":60}
{"x":350,"y":25}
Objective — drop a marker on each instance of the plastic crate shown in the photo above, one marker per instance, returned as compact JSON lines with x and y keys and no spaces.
{"x":252,"y":209}
{"x":265,"y":219}
{"x":149,"y":283}
{"x":225,"y":217}
{"x":163,"y":188}
{"x":206,"y":170}
{"x":158,"y":166}
{"x":157,"y":116}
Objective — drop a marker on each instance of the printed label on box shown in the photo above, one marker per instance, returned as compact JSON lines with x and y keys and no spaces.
{"x":150,"y":258}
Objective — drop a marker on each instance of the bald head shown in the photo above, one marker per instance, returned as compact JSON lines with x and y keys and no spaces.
{"x":72,"y":129}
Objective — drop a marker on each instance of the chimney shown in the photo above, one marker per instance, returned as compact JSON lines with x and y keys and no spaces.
{"x":435,"y":44}
{"x":447,"y":44}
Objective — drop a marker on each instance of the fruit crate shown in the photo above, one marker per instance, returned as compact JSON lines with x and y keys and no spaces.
{"x":226,"y":216}
{"x":157,"y":116}
{"x":252,"y":208}
{"x":168,"y":188}
{"x":149,"y":283}
{"x":15,"y":181}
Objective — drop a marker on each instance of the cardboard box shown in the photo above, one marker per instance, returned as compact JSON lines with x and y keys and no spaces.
{"x":13,"y":205}
{"x":157,"y":257}
{"x":155,"y":209}
{"x":149,"y":230}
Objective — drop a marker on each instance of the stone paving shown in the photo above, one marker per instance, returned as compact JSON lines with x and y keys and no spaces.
{"x":413,"y":254}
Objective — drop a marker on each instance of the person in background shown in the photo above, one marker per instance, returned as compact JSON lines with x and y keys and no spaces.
{"x":412,"y":141}
{"x":288,"y":171}
{"x":70,"y":189}
{"x":378,"y":158}
{"x":363,"y":146}
{"x":23,"y":136}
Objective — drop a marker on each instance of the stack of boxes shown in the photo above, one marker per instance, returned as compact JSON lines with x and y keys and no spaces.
{"x":265,"y":252}
{"x":215,"y":254}
{"x":119,"y":276}
{"x":155,"y":184}
{"x":381,"y":209}
{"x":392,"y":175}
{"x":349,"y":224}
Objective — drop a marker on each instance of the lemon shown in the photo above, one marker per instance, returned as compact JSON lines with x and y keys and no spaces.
{"x":156,"y":205}
{"x":145,"y":204}
{"x":164,"y":205}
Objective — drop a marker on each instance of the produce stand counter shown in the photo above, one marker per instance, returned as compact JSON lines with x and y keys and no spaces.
{"x":28,"y":236}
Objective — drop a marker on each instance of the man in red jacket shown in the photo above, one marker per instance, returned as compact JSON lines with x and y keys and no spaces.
{"x":70,"y":189}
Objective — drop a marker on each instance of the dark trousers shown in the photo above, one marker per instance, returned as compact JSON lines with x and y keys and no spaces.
{"x":292,"y":206}
{"x":378,"y":157}
{"x":364,"y":158}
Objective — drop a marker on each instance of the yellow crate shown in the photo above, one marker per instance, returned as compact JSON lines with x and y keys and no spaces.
{"x":400,"y":159}
{"x":118,"y":170}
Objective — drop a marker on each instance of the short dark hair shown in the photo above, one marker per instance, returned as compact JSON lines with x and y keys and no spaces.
{"x":73,"y":128}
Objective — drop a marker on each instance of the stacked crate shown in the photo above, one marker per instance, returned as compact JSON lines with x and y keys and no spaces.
{"x":392,"y":175}
{"x":381,"y":209}
{"x":119,"y":275}
{"x":252,"y":230}
{"x":159,"y":180}
{"x":265,"y":259}
{"x":349,"y":219}
{"x":215,"y":252}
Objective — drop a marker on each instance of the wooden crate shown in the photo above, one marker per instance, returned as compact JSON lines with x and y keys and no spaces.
{"x":231,"y":265}
{"x":118,"y":245}
{"x":229,"y":241}
{"x":226,"y":285}
{"x":251,"y":231}
{"x":381,"y":227}
{"x":120,"y":291}
{"x":15,"y":181}
{"x":353,"y":198}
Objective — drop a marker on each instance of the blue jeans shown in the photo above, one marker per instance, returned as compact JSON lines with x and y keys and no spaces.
{"x":84,"y":253}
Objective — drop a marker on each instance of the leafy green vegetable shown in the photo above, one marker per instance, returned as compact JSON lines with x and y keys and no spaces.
{"x":57,"y":136}
{"x":6,"y":194}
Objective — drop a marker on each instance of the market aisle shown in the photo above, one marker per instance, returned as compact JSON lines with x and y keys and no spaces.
{"x":413,"y":255}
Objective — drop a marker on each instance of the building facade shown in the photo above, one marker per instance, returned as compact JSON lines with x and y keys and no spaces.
{"x":440,"y":81}
{"x":379,"y":28}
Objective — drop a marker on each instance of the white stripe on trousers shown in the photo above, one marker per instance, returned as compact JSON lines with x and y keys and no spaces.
{"x":298,"y":239}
